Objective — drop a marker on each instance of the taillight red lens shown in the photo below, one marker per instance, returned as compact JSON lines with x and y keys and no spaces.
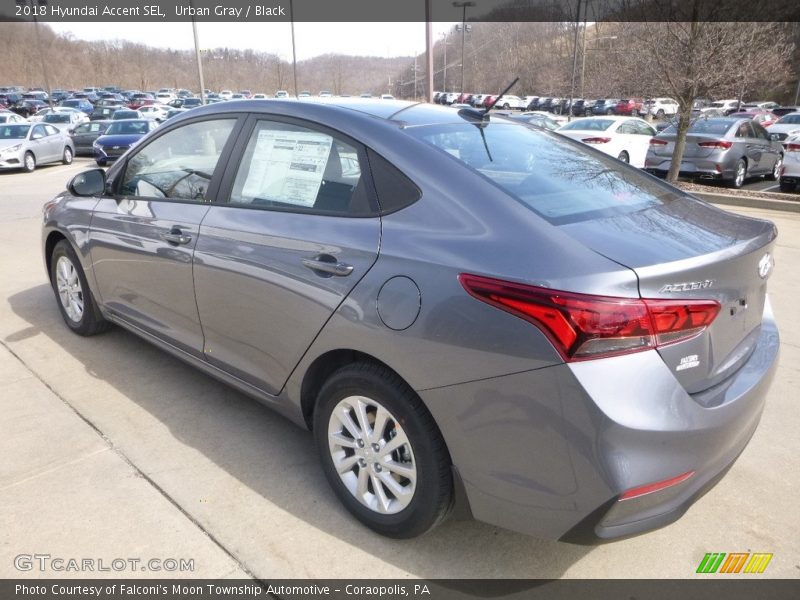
{"x":654,"y":487}
{"x":792,"y":147}
{"x":657,"y":142}
{"x":596,"y":140}
{"x":582,"y":326}
{"x":719,"y":145}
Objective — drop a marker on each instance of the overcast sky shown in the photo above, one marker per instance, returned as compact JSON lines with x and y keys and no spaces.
{"x":312,"y":39}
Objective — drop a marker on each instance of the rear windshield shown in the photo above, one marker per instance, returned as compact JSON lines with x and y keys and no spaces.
{"x":127,"y":127}
{"x":56,"y":118}
{"x":789,"y":120}
{"x":589,"y":124}
{"x":560,"y":180}
{"x":707,"y":126}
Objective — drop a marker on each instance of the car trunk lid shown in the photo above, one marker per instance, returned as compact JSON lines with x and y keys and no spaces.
{"x":686,"y":249}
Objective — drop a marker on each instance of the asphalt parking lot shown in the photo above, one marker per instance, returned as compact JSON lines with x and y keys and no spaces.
{"x":125,"y":451}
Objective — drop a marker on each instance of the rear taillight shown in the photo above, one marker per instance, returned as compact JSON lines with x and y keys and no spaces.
{"x":792,"y":147}
{"x":719,"y":145}
{"x":657,"y":142}
{"x":582,"y":326}
{"x":596,"y":140}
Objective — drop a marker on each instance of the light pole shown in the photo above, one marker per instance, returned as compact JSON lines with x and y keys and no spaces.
{"x":444,"y":66}
{"x":199,"y":62}
{"x":294,"y":53}
{"x":583,"y":62}
{"x":34,"y":4}
{"x":463,"y":6}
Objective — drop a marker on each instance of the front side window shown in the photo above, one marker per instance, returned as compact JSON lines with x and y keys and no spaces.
{"x":178,"y":164}
{"x":288,"y":167}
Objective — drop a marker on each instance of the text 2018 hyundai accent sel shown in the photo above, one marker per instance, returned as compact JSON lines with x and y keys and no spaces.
{"x":463,"y":308}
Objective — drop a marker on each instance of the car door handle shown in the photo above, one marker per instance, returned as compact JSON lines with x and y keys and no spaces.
{"x":325,"y":263}
{"x":176,"y":236}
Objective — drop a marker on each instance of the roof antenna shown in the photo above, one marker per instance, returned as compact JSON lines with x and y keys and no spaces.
{"x":503,"y":93}
{"x":483,"y":115}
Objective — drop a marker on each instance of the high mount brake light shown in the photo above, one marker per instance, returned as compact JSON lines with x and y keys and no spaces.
{"x":583,"y":326}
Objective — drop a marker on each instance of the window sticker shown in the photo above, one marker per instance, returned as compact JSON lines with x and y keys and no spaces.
{"x":287,"y":166}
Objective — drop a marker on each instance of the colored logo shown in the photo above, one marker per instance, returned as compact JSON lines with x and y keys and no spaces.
{"x":735,"y":562}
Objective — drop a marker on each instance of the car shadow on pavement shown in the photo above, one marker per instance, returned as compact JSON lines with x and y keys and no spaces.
{"x":274,"y":464}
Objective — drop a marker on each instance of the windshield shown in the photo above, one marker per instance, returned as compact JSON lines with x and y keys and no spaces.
{"x":14,"y":132}
{"x":789,"y":119}
{"x":56,"y":118}
{"x":559,"y":179}
{"x":589,"y":124}
{"x":127,"y":128}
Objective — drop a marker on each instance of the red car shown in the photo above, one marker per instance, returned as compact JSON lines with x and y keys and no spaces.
{"x":632,"y":106}
{"x":764,"y":118}
{"x":139,"y":100}
{"x":488,"y":101}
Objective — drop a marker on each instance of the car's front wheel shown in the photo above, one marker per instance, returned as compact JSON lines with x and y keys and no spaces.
{"x":75,"y":300}
{"x":29,"y":162}
{"x":740,"y":174}
{"x":382,"y":452}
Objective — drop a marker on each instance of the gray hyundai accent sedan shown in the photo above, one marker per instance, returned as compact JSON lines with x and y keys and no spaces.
{"x":468,"y":312}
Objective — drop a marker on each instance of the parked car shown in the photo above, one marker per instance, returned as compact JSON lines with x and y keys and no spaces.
{"x":624,"y":138}
{"x":80,"y":104}
{"x":157,"y":112}
{"x":27,"y":108}
{"x":84,"y":135}
{"x":118,"y":137}
{"x":726,"y":106}
{"x":562,"y":369}
{"x":539,"y":119}
{"x":582,"y":107}
{"x":511,"y":102}
{"x":726,"y":148}
{"x":387,"y":97}
{"x":194,"y":102}
{"x":763,"y":117}
{"x":630,"y":107}
{"x":40,"y":115}
{"x":785,"y":110}
{"x":660,"y":107}
{"x":11,"y":117}
{"x":105,"y":113}
{"x":281,"y":94}
{"x":559,"y":119}
{"x":304,"y":94}
{"x":606,"y":106}
{"x":325,"y":94}
{"x":260,"y":96}
{"x":790,"y":170}
{"x":64,"y":120}
{"x":139,"y":100}
{"x":27,"y":145}
{"x":785,"y":126}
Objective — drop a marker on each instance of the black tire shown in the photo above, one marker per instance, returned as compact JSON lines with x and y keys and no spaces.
{"x":660,"y":113}
{"x":610,"y":111}
{"x":787,"y":187}
{"x":624,"y":157}
{"x":433,"y":491}
{"x":90,"y":322}
{"x":29,"y":162}
{"x":506,"y":106}
{"x":67,"y":157}
{"x":100,"y":163}
{"x":775,"y":174}
{"x":737,"y":182}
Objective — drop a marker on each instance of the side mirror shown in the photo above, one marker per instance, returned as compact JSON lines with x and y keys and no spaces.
{"x":88,"y":183}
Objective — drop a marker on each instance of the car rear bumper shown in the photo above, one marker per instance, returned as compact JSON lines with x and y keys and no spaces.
{"x":705,"y":168}
{"x":549,"y":452}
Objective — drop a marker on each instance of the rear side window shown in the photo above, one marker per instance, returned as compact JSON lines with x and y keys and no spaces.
{"x":289,"y":167}
{"x":395,"y":190}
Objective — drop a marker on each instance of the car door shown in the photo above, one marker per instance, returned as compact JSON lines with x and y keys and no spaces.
{"x":143,"y":235}
{"x":299,"y":229}
{"x":55,"y":142}
{"x":752,"y":150}
{"x":768,"y":154}
{"x":41,"y":146}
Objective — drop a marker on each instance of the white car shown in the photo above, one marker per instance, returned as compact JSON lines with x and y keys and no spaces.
{"x":10,"y":117}
{"x":40,"y":115}
{"x":560,"y":119}
{"x":281,"y":94}
{"x":387,"y":97}
{"x":65,"y":120}
{"x":625,"y":138}
{"x":726,"y":106}
{"x":226,"y":94}
{"x":156,"y":112}
{"x":786,"y":126}
{"x":509,"y":101}
{"x":165,"y":97}
{"x":790,"y":170}
{"x":325,"y":94}
{"x":660,"y":107}
{"x":260,"y":96}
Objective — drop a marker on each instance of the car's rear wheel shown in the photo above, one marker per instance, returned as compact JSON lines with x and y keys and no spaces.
{"x":382,"y":452}
{"x":660,"y":113}
{"x":29,"y":162}
{"x":624,"y":157}
{"x":67,"y":157}
{"x":776,"y":170}
{"x":740,"y":174}
{"x":100,"y":163}
{"x":75,"y":300}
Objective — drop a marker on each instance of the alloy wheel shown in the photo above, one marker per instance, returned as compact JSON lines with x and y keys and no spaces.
{"x":741,"y":169}
{"x":69,"y":289}
{"x":372,"y":454}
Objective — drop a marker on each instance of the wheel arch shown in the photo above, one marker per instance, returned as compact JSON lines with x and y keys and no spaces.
{"x":49,"y":245}
{"x":322,"y":368}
